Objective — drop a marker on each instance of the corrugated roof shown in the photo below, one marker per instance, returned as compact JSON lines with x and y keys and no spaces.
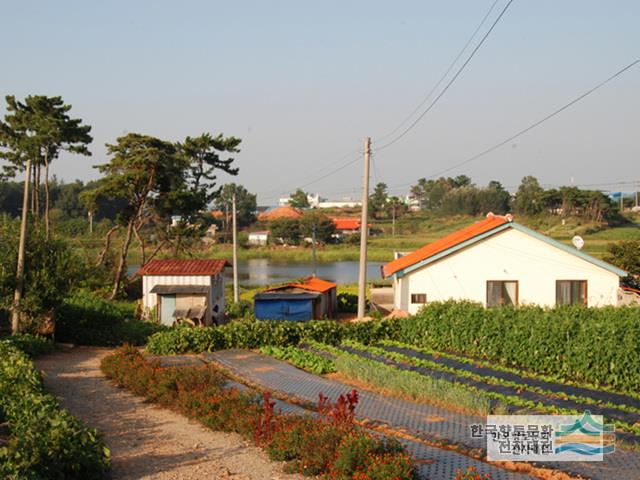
{"x":285,"y":296}
{"x":311,"y":284}
{"x":183,"y":267}
{"x":444,"y":243}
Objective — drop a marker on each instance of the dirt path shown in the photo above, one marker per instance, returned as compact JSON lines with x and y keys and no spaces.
{"x":146,"y":441}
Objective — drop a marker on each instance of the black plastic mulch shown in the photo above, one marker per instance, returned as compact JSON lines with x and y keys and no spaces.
{"x":559,"y":388}
{"x":609,"y":413}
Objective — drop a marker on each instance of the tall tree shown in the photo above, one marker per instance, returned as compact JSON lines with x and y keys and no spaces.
{"x":378,"y":199}
{"x":50,"y":129}
{"x":529,"y":198}
{"x":142,"y":169}
{"x":299,"y":199}
{"x":246,"y":203}
{"x":318,"y":221}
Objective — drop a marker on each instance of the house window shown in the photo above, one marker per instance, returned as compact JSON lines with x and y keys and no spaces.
{"x":418,"y":298}
{"x":502,"y":292}
{"x":571,"y":292}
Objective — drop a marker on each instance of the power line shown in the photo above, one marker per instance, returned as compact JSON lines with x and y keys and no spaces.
{"x":444,"y":75}
{"x":453,"y":79}
{"x":533,"y":125}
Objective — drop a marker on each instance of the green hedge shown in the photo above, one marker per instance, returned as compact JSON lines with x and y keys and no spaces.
{"x":598,"y":345}
{"x":87,"y":319}
{"x":258,"y":334}
{"x":46,"y":442}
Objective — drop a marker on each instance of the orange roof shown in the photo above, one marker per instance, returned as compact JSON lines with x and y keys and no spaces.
{"x":217,"y":213}
{"x":492,"y":221}
{"x":312,"y":284}
{"x":183,"y":267}
{"x":280,"y":212}
{"x":346,"y":223}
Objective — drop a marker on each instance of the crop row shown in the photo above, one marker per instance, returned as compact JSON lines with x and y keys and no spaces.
{"x":501,"y":401}
{"x":304,"y":359}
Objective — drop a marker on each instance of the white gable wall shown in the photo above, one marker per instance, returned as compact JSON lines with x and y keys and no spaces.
{"x":507,"y":255}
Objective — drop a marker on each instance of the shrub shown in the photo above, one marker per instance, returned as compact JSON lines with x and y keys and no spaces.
{"x":32,"y":345}
{"x":240,"y":309}
{"x":347,"y":302}
{"x":87,"y":319}
{"x":46,"y":441}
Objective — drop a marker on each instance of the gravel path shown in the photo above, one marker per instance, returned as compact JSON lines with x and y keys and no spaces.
{"x":148,"y":442}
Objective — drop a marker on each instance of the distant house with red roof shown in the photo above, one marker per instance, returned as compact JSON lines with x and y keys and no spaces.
{"x":279,"y":212}
{"x":191,"y":290}
{"x":499,"y":262}
{"x":311,"y":298}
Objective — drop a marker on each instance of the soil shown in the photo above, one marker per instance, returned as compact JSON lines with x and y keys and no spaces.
{"x":148,"y":442}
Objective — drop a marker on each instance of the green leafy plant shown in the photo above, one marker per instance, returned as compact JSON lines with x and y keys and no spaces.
{"x":309,"y":361}
{"x":46,"y":441}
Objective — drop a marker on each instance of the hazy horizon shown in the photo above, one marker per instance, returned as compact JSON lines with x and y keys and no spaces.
{"x":302,"y":84}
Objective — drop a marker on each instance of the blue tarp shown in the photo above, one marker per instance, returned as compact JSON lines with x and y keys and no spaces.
{"x":299,"y":309}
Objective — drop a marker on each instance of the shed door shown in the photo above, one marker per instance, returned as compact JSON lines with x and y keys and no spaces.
{"x":167,"y":307}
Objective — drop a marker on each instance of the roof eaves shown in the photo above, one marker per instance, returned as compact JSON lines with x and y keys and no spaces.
{"x":450,"y":250}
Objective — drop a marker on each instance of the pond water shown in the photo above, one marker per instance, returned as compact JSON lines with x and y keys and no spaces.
{"x":263,"y":271}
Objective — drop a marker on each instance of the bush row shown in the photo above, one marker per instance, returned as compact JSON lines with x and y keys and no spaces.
{"x":45,"y":441}
{"x":596,"y":345}
{"x":263,"y":333}
{"x":329,"y":444}
{"x":88,"y":319}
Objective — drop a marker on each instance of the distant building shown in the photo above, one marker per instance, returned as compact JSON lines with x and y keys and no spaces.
{"x":279,"y":212}
{"x":309,"y":299}
{"x":346,"y":226}
{"x":500,"y":262}
{"x":260,"y":238}
{"x":183,"y":289}
{"x":347,"y":203}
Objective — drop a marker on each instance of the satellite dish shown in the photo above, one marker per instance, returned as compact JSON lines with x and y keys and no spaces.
{"x":578,"y":242}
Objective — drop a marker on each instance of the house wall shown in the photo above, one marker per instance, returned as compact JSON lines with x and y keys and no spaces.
{"x":149,"y":300}
{"x":508,"y":255}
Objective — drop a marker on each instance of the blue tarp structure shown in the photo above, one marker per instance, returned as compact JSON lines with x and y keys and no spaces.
{"x":284,"y":306}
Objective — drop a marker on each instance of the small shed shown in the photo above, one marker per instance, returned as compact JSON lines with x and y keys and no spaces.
{"x":311,"y":298}
{"x":184,"y":289}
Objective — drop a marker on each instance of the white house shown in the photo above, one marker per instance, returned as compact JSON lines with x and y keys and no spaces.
{"x":498,"y":261}
{"x":184,"y":289}
{"x":258,"y":238}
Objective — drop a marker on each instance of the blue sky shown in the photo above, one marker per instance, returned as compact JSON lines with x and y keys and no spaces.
{"x":302,"y":82}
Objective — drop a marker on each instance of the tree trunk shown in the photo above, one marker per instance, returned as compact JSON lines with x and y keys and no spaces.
{"x":36,"y":192}
{"x":139,"y":238}
{"x":107,"y":244}
{"x":32,"y":179}
{"x":122,"y":262}
{"x":17,"y":294}
{"x":46,"y":195}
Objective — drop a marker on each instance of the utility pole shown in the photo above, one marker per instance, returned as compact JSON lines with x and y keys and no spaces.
{"x":313,"y":250}
{"x":637,"y":195}
{"x":393,"y":220}
{"x":235,"y":249}
{"x":621,"y":202}
{"x":90,"y":222}
{"x":17,"y":294}
{"x":364,"y":232}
